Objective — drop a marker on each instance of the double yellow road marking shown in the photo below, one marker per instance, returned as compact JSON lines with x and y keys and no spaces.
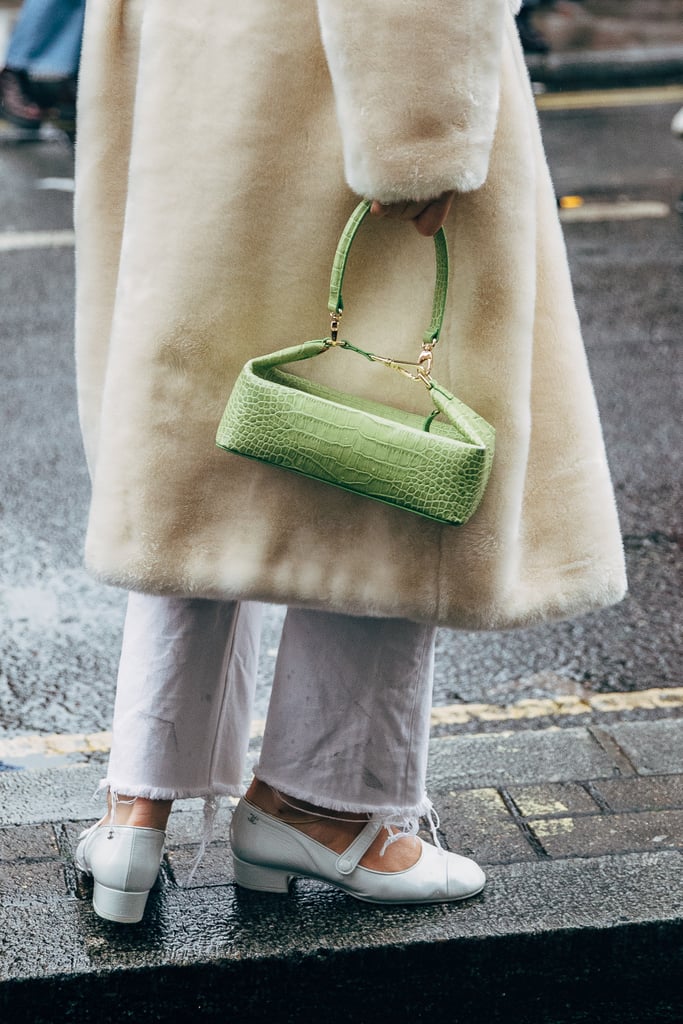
{"x":18,"y":748}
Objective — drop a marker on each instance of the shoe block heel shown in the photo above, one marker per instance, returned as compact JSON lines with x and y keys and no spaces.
{"x":114,"y":905}
{"x":260,"y":878}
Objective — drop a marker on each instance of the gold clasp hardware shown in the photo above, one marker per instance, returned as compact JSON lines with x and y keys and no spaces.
{"x":424,"y":363}
{"x":423,"y":366}
{"x":334,"y":326}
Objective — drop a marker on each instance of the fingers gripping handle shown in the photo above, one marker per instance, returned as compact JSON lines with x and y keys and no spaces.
{"x":335,"y":303}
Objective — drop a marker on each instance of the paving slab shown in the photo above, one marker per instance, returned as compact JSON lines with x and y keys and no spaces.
{"x":36,"y":797}
{"x":554,"y":799}
{"x":641,"y":794}
{"x":21,"y":880}
{"x":24,"y":841}
{"x":45,"y":941}
{"x":654,"y":748}
{"x":596,"y":835}
{"x":477,"y":823}
{"x":507,"y":758}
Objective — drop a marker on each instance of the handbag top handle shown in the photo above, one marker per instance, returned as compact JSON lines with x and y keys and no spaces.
{"x":335,"y":303}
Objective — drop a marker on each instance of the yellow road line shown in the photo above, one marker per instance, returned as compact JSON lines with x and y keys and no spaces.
{"x":656,"y":699}
{"x":54,"y":745}
{"x":596,"y":99}
{"x":60,"y":745}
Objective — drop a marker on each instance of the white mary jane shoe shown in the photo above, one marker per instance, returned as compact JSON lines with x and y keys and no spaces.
{"x":124,"y":862}
{"x":268,"y":854}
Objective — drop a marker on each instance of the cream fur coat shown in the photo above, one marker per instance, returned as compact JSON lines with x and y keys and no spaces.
{"x":222,"y":146}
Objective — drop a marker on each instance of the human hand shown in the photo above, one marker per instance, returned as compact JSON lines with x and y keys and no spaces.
{"x":428,"y":215}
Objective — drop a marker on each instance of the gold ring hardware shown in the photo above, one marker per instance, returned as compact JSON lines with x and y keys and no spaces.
{"x":425,"y":359}
{"x":423,"y":366}
{"x":424,"y":363}
{"x":422,"y":376}
{"x":334,"y":324}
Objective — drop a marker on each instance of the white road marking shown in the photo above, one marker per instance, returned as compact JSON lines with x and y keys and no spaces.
{"x":644,"y":209}
{"x":12,"y":241}
{"x":56,"y":184}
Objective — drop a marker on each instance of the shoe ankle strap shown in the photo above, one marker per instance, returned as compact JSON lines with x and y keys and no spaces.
{"x":348,"y":860}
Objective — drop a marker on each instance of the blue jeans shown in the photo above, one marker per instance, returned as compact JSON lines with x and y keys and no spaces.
{"x":46,"y":41}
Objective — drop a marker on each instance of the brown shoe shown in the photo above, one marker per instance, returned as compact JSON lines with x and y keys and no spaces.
{"x":16,"y":104}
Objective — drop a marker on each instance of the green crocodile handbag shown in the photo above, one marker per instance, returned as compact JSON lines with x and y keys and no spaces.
{"x":435,"y":468}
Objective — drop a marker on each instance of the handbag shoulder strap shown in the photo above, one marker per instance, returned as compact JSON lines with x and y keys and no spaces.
{"x":335,"y":303}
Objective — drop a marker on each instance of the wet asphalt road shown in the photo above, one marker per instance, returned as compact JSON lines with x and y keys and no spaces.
{"x":59,"y":630}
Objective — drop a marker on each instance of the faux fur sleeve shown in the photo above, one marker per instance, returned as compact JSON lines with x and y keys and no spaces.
{"x":416,"y":85}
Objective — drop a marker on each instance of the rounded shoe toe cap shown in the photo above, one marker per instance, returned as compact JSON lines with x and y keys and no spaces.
{"x":465,"y":877}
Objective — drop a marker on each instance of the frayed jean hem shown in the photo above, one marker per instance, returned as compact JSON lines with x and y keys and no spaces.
{"x":163,"y":793}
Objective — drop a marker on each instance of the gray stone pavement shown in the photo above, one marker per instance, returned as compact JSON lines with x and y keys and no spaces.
{"x":581,"y":833}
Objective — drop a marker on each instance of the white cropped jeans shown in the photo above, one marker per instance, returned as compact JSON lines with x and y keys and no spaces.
{"x":348,"y":721}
